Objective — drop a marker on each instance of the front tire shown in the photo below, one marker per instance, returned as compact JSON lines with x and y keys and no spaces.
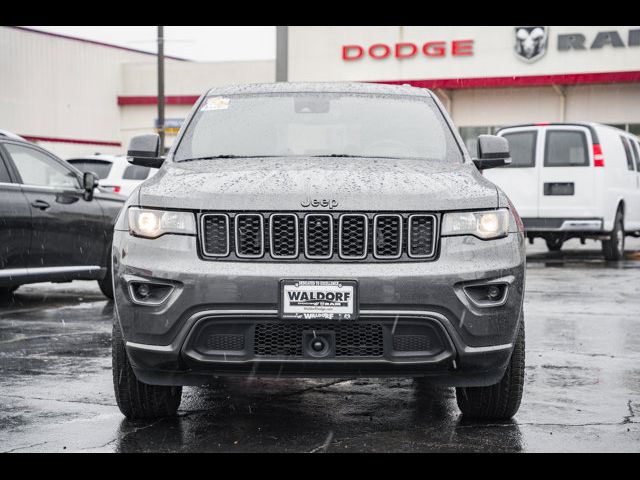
{"x":613,"y":248}
{"x":554,"y":244}
{"x":500,"y":401}
{"x":106,"y":284}
{"x":138,"y":400}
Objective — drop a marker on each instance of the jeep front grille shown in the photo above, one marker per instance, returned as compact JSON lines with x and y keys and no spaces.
{"x":348,"y":237}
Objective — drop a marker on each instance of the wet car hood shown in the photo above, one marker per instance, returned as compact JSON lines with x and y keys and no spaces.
{"x":346,"y":183}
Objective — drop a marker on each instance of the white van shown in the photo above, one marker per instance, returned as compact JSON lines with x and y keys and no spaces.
{"x":115,"y":174}
{"x":578,"y":180}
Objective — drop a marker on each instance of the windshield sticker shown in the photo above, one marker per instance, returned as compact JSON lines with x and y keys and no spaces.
{"x":215,"y":103}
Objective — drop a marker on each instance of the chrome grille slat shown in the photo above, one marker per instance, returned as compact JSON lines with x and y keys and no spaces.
{"x":318,"y":236}
{"x":283,"y":235}
{"x":335,"y":236}
{"x":249,"y":234}
{"x":387,"y":236}
{"x":215,"y":236}
{"x":421,"y":233}
{"x":354,"y":236}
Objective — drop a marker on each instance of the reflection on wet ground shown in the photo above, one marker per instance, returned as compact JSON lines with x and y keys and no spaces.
{"x":582,"y":381}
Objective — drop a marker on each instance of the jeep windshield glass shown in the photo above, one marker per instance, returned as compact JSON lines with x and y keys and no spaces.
{"x":318,"y":124}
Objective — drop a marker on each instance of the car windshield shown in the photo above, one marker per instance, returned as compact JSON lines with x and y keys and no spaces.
{"x":318,"y":124}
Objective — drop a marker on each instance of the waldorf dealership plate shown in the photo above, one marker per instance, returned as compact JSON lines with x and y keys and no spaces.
{"x":321,"y":299}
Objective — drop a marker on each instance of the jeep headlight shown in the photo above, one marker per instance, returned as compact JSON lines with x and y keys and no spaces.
{"x":147,"y":223}
{"x":484,"y":225}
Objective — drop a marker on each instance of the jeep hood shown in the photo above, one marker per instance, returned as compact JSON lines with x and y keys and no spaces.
{"x":284,"y":183}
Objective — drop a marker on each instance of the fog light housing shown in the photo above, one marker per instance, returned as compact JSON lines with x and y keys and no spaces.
{"x":149,"y":293}
{"x":488,"y":295}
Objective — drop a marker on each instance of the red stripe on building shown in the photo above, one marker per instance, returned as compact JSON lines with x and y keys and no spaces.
{"x":528,"y":81}
{"x":102,"y":143}
{"x":153,"y":100}
{"x":445,"y":83}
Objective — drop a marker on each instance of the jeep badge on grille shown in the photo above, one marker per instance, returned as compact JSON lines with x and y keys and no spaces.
{"x":325,"y":202}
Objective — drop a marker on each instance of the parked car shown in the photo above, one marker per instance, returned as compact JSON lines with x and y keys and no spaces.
{"x":574,"y":180}
{"x":346,"y":233}
{"x":7,"y":134}
{"x":53,"y":226}
{"x":115,"y":174}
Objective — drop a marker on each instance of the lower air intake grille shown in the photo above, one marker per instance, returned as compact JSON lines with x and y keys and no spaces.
{"x":411,"y":343}
{"x":227,"y":342}
{"x":284,"y":339}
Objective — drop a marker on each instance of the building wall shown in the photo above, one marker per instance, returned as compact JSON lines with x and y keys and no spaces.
{"x":68,"y":89}
{"x":61,"y":88}
{"x":193,"y":78}
{"x":181,"y":79}
{"x":316,"y":53}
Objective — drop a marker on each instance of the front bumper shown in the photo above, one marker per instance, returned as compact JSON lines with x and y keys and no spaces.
{"x":466,"y":344}
{"x":562,"y":225}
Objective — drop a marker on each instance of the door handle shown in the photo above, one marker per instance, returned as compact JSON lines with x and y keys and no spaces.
{"x":41,"y":204}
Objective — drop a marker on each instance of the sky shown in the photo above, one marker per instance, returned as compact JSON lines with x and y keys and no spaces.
{"x":200,"y":43}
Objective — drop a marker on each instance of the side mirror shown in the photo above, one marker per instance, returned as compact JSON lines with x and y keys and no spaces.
{"x":493,"y":152}
{"x":89,"y":183}
{"x":144,"y":150}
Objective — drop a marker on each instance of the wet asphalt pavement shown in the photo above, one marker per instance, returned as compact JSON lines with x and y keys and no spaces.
{"x":582,"y":388}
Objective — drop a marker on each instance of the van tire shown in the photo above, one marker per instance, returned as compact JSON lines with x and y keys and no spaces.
{"x":500,"y":401}
{"x":137,"y":400}
{"x":554,"y":244}
{"x":613,"y":248}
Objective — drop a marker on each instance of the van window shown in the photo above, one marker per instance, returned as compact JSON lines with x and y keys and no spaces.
{"x":135,"y":172}
{"x":636,"y":155}
{"x":627,"y":152}
{"x":564,"y":148}
{"x":523,"y":148}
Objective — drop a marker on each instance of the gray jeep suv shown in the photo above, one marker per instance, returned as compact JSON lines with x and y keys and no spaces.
{"x":318,"y":230}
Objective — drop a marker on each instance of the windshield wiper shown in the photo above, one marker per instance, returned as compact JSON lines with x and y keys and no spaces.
{"x":215,"y":157}
{"x":344,"y":155}
{"x":335,"y":155}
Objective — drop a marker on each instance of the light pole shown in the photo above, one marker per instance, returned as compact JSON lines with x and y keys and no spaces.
{"x":161,"y":87}
{"x":282,"y":53}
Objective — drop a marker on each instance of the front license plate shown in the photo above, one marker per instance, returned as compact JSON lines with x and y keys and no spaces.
{"x":322,"y":299}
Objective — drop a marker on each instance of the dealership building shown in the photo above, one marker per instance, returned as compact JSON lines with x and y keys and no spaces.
{"x":75,"y":96}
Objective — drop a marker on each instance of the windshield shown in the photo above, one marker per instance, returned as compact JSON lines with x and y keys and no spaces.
{"x":319,"y":124}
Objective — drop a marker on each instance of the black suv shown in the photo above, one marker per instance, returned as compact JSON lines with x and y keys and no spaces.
{"x":53,"y":227}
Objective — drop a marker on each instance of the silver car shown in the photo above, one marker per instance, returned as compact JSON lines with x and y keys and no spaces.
{"x":328,"y":229}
